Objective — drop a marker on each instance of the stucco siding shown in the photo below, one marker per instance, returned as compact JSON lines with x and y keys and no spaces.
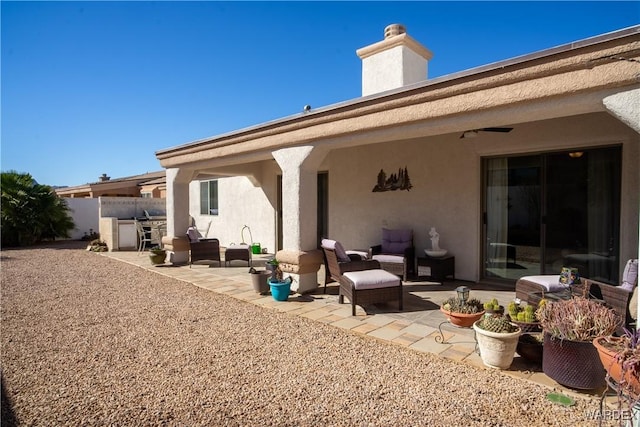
{"x":240,"y":203}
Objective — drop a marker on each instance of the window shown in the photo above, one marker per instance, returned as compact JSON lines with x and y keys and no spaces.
{"x":209,"y":197}
{"x":553,"y":210}
{"x":146,"y":195}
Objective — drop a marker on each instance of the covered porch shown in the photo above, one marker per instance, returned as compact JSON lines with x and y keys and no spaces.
{"x":578,"y":98}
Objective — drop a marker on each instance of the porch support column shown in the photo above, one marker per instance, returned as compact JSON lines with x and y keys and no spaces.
{"x":175,"y":241}
{"x":299,"y":167}
{"x":625,"y":106}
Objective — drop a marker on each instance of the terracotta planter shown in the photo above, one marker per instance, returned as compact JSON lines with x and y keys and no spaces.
{"x":462,"y":320}
{"x":574,"y":364}
{"x":614,"y":367}
{"x":496,"y":349}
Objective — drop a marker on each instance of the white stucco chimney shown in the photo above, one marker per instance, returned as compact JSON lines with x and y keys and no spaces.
{"x":396,"y":61}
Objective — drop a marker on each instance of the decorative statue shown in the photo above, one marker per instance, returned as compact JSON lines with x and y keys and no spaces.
{"x":435,"y":239}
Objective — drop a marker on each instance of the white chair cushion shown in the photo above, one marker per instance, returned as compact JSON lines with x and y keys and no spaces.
{"x":362,"y":254}
{"x":551,"y":282}
{"x":338,"y":248}
{"x":396,"y":259}
{"x":372,"y":279}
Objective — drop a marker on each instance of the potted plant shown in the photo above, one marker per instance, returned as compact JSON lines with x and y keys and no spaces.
{"x":620,"y":357}
{"x":530,"y":346}
{"x":272,"y":266}
{"x":157,"y":255}
{"x":280,"y":287}
{"x":497,"y":340}
{"x":525,"y":316}
{"x":569,"y":328}
{"x":530,"y":342}
{"x":259,"y":280}
{"x":493,"y":308}
{"x":462,"y":313}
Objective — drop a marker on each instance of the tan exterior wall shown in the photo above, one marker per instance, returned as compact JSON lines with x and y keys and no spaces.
{"x":446,"y":176}
{"x":241,"y":203}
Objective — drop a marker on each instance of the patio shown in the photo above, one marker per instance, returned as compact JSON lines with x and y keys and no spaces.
{"x":416,"y":327}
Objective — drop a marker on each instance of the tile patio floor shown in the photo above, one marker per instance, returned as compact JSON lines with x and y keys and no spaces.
{"x":416,"y":327}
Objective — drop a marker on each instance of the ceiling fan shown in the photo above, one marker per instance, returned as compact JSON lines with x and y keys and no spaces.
{"x":474,"y":133}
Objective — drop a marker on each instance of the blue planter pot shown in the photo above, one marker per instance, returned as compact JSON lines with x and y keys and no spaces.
{"x":280,"y":290}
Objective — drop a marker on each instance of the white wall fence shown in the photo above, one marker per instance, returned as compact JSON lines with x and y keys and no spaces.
{"x":84,"y":213}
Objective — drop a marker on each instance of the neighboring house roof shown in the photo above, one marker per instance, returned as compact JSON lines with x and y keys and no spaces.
{"x":128,"y":185}
{"x":517,"y":90}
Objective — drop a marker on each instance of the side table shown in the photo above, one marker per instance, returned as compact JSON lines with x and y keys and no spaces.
{"x":440,"y":267}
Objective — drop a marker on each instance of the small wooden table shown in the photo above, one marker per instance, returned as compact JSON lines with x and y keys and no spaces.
{"x":440,"y":267}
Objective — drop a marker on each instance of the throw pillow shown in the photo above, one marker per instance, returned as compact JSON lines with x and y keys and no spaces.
{"x":192,"y":232}
{"x":569,"y":276}
{"x":396,"y":241}
{"x":630,"y":275}
{"x":341,"y":254}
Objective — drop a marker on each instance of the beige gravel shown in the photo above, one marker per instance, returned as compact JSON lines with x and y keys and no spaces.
{"x":88,"y":340}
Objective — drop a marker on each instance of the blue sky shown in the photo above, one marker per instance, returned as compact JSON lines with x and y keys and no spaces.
{"x":98,"y":87}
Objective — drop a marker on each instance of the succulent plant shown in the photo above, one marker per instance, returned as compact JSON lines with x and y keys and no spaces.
{"x":470,"y":306}
{"x":525,"y":314}
{"x":497,"y":325}
{"x":513,"y":308}
{"x":577,"y":319}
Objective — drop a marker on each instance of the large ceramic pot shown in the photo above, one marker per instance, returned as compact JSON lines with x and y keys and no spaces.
{"x":462,"y":320}
{"x":497,"y":349}
{"x":574,"y":364}
{"x":607,"y":354}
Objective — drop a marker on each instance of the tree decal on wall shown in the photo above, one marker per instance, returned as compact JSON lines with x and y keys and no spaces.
{"x":399,"y":181}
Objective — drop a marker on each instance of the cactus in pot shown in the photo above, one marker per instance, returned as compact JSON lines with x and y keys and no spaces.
{"x":497,"y":340}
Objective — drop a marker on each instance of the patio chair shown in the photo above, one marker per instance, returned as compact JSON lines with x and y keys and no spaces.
{"x":202,"y":249}
{"x":617,"y":297}
{"x":362,"y":281}
{"x":396,"y":253}
{"x":144,"y":236}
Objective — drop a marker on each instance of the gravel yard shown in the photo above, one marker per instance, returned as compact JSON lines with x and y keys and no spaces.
{"x":88,"y":340}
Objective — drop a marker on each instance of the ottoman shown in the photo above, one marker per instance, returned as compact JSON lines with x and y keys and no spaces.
{"x":237,"y":253}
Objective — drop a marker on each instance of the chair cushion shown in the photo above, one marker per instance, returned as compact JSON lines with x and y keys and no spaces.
{"x":396,"y":241}
{"x":630,"y":275}
{"x":392,"y":259}
{"x":341,"y":254}
{"x":192,"y":233}
{"x":372,"y":279}
{"x":238,"y":247}
{"x":551,"y":282}
{"x":362,"y":254}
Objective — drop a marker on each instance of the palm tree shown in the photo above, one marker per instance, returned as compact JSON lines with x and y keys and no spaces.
{"x":31,"y":212}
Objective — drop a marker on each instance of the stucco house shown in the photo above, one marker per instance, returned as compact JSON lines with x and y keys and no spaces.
{"x":522,"y":165}
{"x":150,"y":184}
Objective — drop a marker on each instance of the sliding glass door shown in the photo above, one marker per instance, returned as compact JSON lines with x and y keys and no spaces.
{"x":543,"y":212}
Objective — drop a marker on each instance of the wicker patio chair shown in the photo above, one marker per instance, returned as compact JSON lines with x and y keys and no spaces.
{"x":616,"y":297}
{"x":396,"y":253}
{"x":361,"y":281}
{"x":203,"y":249}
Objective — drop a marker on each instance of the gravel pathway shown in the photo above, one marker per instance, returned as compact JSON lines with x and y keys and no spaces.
{"x":88,"y":340}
